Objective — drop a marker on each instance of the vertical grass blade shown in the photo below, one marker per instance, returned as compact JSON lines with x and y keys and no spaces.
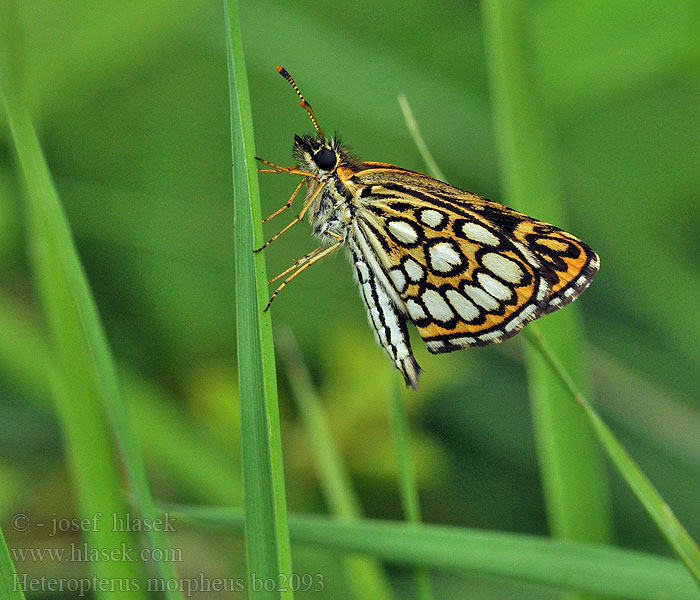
{"x":408,"y":487}
{"x":9,"y":590}
{"x":676,"y":535}
{"x":267,"y":536}
{"x":365,"y":575}
{"x":84,"y":384}
{"x":574,"y":479}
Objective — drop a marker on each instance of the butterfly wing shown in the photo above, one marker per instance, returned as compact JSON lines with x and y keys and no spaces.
{"x":468,"y":271}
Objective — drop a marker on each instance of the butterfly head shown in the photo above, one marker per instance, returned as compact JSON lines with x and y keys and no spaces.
{"x":315,"y":155}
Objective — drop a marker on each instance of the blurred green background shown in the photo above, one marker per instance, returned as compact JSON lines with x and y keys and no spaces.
{"x":131,"y":103}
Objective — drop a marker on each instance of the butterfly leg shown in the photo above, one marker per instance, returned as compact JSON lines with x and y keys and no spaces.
{"x":287,"y":205}
{"x":296,"y":219}
{"x":315,"y":257}
{"x":296,"y":264}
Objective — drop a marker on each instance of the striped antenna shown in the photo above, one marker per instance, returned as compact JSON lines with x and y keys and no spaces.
{"x":304,"y":104}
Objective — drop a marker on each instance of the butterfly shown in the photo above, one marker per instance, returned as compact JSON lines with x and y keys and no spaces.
{"x":466,"y":271}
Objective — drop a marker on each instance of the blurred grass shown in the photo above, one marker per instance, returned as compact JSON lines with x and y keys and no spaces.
{"x":184,"y":453}
{"x":408,"y":486}
{"x":83,"y":384}
{"x":365,"y":577}
{"x":657,"y":508}
{"x":131,"y":108}
{"x":573,"y":475}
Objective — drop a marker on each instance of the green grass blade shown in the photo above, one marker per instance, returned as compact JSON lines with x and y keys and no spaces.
{"x":418,"y":140}
{"x":574,"y":478}
{"x":676,"y":535}
{"x":553,"y":563}
{"x":267,"y":538}
{"x":407,"y":478}
{"x":9,"y":590}
{"x":366,"y":577}
{"x":85,"y":384}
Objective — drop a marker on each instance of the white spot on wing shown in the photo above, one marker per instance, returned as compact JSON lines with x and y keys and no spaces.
{"x":413,"y":269}
{"x":361,"y":243}
{"x":444,"y":258}
{"x":436,"y":305}
{"x":415,"y":310}
{"x":465,"y":308}
{"x":368,"y":294}
{"x":399,"y":279}
{"x":435,"y":345}
{"x":403,"y":232}
{"x":479,"y":233}
{"x":431,"y":218}
{"x":529,"y":256}
{"x":523,"y":317}
{"x":481,"y":298}
{"x":395,"y":334}
{"x":463,"y":341}
{"x":493,"y":287}
{"x":362,"y":271}
{"x":491,"y":336}
{"x":503,"y":267}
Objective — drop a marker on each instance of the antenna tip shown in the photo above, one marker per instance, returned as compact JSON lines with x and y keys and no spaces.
{"x":303,"y":103}
{"x":282,"y":71}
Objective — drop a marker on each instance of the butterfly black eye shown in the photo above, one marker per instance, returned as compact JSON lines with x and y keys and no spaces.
{"x":325,"y":159}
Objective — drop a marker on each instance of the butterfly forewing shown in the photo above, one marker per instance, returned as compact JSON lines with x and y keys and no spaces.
{"x":469,"y":271}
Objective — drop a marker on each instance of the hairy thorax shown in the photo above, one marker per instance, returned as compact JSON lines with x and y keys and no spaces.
{"x":332,"y":210}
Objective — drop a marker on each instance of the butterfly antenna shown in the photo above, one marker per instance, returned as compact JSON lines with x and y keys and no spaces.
{"x":304,"y":104}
